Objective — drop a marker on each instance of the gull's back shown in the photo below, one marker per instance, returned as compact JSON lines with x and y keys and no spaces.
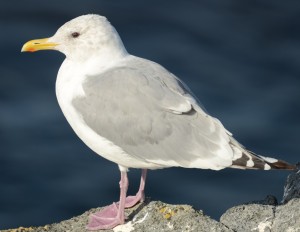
{"x":148,"y":112}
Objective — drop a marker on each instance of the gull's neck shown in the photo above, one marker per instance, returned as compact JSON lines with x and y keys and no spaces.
{"x":74,"y":71}
{"x":97,"y":61}
{"x":103,"y":61}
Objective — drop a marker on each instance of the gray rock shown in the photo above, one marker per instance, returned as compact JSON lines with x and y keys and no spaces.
{"x":264,"y":218}
{"x":287,"y":217}
{"x":252,"y":217}
{"x":153,"y":216}
{"x":292,"y":186}
{"x":159,"y":216}
{"x":257,"y":216}
{"x":269,"y":200}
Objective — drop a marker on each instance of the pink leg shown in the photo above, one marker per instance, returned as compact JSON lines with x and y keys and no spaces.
{"x":111,"y":216}
{"x":140,"y":195}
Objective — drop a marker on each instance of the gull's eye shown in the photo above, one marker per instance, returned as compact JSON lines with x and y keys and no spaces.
{"x":75,"y":34}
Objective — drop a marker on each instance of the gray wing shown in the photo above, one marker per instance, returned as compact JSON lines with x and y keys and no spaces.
{"x":152,"y":116}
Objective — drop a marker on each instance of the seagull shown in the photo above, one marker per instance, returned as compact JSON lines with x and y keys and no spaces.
{"x":135,"y":113}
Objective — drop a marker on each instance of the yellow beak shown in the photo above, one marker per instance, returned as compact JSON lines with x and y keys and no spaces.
{"x":38,"y":44}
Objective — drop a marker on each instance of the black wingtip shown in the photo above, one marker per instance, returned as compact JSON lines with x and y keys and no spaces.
{"x":249,"y":160}
{"x":280,"y":164}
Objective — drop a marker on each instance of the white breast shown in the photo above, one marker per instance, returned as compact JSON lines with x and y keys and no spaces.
{"x":68,"y":86}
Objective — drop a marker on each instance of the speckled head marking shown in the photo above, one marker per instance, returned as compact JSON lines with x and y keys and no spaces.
{"x":87,"y":36}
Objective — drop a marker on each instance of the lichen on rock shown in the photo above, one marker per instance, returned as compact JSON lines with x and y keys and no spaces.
{"x":258,"y":216}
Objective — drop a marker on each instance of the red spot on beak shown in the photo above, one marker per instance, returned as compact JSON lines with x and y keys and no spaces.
{"x":31,"y":50}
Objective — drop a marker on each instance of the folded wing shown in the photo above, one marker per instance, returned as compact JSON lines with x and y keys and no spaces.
{"x":151,"y":115}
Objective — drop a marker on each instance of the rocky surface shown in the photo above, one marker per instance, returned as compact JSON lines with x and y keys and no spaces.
{"x":257,"y":216}
{"x":159,"y":216}
{"x":292,"y":186}
{"x":264,"y":218}
{"x":152,"y":216}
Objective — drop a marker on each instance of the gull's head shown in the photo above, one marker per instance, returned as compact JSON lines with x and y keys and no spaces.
{"x":82,"y":38}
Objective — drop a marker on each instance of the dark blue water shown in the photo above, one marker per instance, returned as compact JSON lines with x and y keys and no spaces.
{"x":241,"y":58}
